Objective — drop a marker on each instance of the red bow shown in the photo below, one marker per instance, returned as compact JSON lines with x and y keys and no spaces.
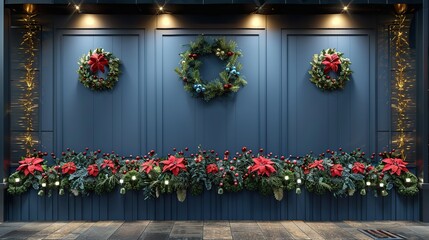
{"x":212,"y":168}
{"x":358,"y":167}
{"x":263,"y":166}
{"x":331,"y":62}
{"x":69,"y":167}
{"x":29,"y":165}
{"x":337,"y":170}
{"x":148,"y":166}
{"x":97,"y":62}
{"x":174,"y":165}
{"x":317,"y":164}
{"x":93,"y":170}
{"x":395,"y":165}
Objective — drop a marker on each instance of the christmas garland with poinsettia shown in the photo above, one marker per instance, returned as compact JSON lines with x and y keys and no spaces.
{"x":327,"y":62}
{"x":335,"y":172}
{"x":98,"y":60}
{"x":230,"y":78}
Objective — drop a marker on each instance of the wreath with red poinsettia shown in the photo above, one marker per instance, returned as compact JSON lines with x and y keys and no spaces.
{"x":93,"y":62}
{"x":330,"y":70}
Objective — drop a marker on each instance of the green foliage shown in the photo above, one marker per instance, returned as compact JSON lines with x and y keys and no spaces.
{"x":230,"y":79}
{"x":91,"y":80}
{"x":321,"y":79}
{"x":231,"y":173}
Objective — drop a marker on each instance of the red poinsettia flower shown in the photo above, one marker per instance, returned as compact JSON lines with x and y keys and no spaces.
{"x":331,"y":62}
{"x":68,"y":168}
{"x":30,"y":165}
{"x":108,"y":164}
{"x":93,"y":170}
{"x":358,"y":167}
{"x":212,"y":168}
{"x":395,"y":165}
{"x":317,"y":164}
{"x":174,"y":165}
{"x":97,"y":62}
{"x":337,"y":170}
{"x":263,"y":166}
{"x":148,"y":166}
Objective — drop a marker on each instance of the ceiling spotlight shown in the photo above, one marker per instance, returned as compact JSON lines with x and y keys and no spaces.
{"x":161,"y":8}
{"x":345,"y":8}
{"x":77,"y":7}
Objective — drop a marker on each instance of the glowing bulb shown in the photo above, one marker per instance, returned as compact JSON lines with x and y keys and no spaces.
{"x":286,"y":178}
{"x":43,"y":184}
{"x":368,"y":183}
{"x":345,"y":8}
{"x":299,"y":181}
{"x":17,"y":180}
{"x":161,"y":8}
{"x":407,"y":180}
{"x":57,"y":183}
{"x":133,"y":178}
{"x":381,"y":184}
{"x":77,"y":7}
{"x":166,"y":182}
{"x":121,"y":181}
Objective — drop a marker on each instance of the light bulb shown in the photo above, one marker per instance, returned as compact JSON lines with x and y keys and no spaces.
{"x":299,"y":181}
{"x":286,"y":178}
{"x":368,"y":183}
{"x":121,"y":181}
{"x":345,"y":8}
{"x":17,"y":180}
{"x":166,"y":182}
{"x":77,"y":7}
{"x":57,"y":183}
{"x":133,"y":178}
{"x":407,"y":180}
{"x":43,"y":184}
{"x":381,"y":184}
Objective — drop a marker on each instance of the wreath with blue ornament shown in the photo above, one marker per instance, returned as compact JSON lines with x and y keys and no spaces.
{"x":230,"y":79}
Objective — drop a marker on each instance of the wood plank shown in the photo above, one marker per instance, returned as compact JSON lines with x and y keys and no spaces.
{"x":294,"y":230}
{"x":100,"y":230}
{"x":47,"y":231}
{"x":65,"y":230}
{"x":130,"y":230}
{"x":308,"y":230}
{"x":76,"y":233}
{"x":329,"y":230}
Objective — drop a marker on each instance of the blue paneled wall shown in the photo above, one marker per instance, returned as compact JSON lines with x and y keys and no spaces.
{"x":279,"y":110}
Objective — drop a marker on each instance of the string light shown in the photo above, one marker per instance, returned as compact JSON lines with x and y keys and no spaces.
{"x":28,"y":98}
{"x":402,"y":79}
{"x":368,"y":183}
{"x":286,"y":177}
{"x":407,"y":180}
{"x":57,"y":183}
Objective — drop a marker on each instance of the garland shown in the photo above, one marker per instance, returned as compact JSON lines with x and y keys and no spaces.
{"x":335,"y":172}
{"x":329,"y":60}
{"x":230,"y":78}
{"x":91,"y":63}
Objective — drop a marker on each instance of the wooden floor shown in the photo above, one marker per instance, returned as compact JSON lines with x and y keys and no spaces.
{"x":247,"y":230}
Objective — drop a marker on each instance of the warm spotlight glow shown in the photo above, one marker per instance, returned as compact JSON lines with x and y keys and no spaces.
{"x":161,"y":8}
{"x":345,"y":8}
{"x":88,"y":21}
{"x":256,"y":21}
{"x":165,"y":21}
{"x":77,"y":7}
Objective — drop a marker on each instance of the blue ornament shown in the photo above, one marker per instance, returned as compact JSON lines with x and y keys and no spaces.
{"x":195,"y":86}
{"x":227,"y":69}
{"x":199,"y":85}
{"x":238,"y":73}
{"x":233,"y":67}
{"x":203,"y":89}
{"x":233,"y":71}
{"x":198,"y":90}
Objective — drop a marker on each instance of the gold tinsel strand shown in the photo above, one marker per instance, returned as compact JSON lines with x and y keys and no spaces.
{"x":401,"y":65}
{"x":28,"y":99}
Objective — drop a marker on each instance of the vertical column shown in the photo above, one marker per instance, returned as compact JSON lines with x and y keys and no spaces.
{"x":3,"y":103}
{"x":422,"y":115}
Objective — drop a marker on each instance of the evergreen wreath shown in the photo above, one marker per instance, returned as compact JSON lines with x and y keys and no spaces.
{"x":91,"y":63}
{"x":230,"y":78}
{"x":329,"y":60}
